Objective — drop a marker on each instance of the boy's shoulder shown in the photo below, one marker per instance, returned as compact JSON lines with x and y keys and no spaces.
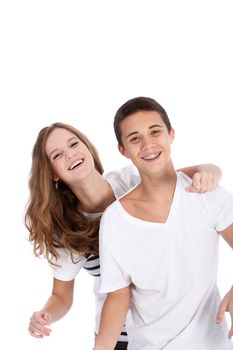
{"x":219,"y":193}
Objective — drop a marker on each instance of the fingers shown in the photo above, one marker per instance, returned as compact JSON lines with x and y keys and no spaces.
{"x":230,"y":309}
{"x":38,"y":326}
{"x":191,"y":189}
{"x":230,"y":334}
{"x":203,"y":182}
{"x":226,"y":305}
{"x":221,"y":311}
{"x":223,"y":307}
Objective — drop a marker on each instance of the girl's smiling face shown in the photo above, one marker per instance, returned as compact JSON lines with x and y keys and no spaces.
{"x":68,"y":155}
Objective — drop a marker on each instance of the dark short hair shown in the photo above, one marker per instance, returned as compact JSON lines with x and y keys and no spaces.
{"x":135,"y":105}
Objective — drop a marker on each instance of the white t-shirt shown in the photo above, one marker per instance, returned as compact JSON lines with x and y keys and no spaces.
{"x":172,"y":267}
{"x":120,"y":181}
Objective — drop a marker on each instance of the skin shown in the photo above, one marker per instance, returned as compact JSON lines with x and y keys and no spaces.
{"x":226,"y":304}
{"x":147,"y":143}
{"x":64,"y":151}
{"x":149,"y":149}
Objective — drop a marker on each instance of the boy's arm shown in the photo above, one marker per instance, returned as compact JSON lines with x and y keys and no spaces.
{"x":227,"y":234}
{"x":205,"y":177}
{"x":112,"y":318}
{"x":226,"y":304}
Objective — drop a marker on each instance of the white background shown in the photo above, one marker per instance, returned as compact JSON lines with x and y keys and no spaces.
{"x":77,"y":62}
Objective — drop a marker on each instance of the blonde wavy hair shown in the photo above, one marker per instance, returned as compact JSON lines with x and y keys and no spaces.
{"x":52,"y":216}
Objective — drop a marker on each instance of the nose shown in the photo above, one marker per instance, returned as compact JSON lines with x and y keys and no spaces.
{"x":70,"y":153}
{"x":146,"y":143}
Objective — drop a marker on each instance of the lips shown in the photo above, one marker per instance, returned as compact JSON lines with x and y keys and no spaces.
{"x":151,"y":155}
{"x":76,"y":164}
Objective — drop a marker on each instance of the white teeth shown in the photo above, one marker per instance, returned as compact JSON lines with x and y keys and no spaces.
{"x":76,"y":164}
{"x":151,"y":156}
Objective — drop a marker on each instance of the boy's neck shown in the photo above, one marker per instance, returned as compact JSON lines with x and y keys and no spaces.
{"x":152,"y":199}
{"x":158,"y":185}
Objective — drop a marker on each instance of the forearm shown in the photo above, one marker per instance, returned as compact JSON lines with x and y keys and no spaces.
{"x":210,"y":168}
{"x":112,"y":319}
{"x":56,"y":307}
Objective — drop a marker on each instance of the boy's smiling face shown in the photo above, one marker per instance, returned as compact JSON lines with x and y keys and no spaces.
{"x":146,"y":140}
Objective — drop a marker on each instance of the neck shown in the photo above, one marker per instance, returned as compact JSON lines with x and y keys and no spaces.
{"x":158,"y":186}
{"x":94,"y":193}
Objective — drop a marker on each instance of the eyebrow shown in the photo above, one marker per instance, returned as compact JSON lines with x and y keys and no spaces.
{"x":57,"y":149}
{"x":150,"y":127}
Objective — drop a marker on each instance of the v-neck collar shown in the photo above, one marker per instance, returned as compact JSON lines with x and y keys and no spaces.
{"x":171,"y":213}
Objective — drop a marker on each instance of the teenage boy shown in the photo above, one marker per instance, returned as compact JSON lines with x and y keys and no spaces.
{"x":159,"y":247}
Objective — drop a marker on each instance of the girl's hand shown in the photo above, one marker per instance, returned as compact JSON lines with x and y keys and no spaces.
{"x":38,"y":326}
{"x":203,"y":181}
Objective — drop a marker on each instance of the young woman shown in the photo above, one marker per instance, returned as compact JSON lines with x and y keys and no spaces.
{"x":68,"y":194}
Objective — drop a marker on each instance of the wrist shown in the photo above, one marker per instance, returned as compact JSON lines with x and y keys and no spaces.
{"x":100,"y":344}
{"x":102,"y":347}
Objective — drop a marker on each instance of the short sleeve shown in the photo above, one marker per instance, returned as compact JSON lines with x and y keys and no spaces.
{"x":111,"y":276}
{"x":68,"y":269}
{"x":220,"y":203}
{"x":112,"y":273}
{"x":123,"y":180}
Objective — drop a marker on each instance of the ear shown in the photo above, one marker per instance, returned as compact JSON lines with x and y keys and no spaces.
{"x":172,"y":135}
{"x":122,"y":151}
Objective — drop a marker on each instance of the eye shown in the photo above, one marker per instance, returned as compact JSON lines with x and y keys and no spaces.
{"x":56,"y":156}
{"x":155,"y":132}
{"x":74,"y":144}
{"x":135,"y":139}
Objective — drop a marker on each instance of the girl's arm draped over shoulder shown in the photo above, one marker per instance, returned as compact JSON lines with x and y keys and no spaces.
{"x":205,"y":177}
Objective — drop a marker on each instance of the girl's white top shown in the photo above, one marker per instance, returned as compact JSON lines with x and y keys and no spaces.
{"x":120,"y":181}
